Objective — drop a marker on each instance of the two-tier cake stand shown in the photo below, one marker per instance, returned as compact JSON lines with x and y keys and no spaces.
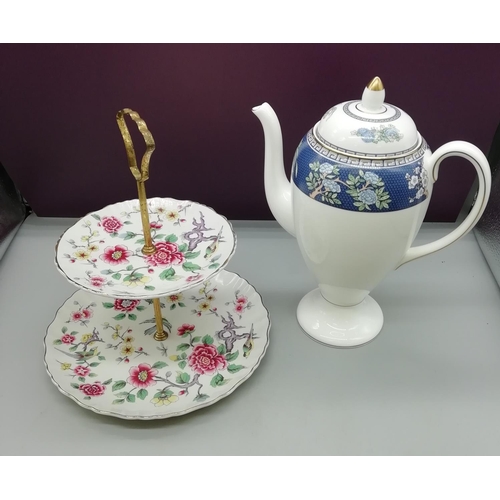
{"x":157,"y":328}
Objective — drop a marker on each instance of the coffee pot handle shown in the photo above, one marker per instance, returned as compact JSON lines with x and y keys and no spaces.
{"x":477,"y":158}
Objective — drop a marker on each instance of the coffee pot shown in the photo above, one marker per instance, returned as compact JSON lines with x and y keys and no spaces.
{"x":360,"y":186}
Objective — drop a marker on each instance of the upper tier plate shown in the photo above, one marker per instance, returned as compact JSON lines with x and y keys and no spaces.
{"x":101,"y":253}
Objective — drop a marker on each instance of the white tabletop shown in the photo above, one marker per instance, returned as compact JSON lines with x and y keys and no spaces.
{"x":429,"y":384}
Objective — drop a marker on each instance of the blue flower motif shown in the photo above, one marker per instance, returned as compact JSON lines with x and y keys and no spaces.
{"x":326,"y":168}
{"x":368,"y":197}
{"x":330,"y":185}
{"x":371,"y":177}
{"x":366,"y":134}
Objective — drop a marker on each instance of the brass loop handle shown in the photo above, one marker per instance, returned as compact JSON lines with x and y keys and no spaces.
{"x":143,"y":174}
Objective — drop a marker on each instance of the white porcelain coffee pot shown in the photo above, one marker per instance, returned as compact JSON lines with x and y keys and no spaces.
{"x":361,"y":183}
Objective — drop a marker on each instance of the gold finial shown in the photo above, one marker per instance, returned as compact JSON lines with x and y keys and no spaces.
{"x":375,"y":84}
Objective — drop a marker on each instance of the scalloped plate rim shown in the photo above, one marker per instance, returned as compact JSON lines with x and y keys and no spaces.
{"x":187,"y":286}
{"x":161,"y":416}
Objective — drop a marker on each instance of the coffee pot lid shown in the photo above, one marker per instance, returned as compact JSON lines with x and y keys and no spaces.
{"x":368,"y":127}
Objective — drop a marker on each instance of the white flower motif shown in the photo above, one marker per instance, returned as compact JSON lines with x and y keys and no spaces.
{"x":371,"y":177}
{"x":330,"y":185}
{"x":413,"y":181}
{"x":368,"y":197}
{"x":326,"y":168}
{"x":420,"y":193}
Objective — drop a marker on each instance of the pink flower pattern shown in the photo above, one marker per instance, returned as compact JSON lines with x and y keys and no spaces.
{"x":116,"y":255}
{"x":95,"y":389}
{"x":111,"y":224}
{"x":206,"y":359}
{"x":67,"y":339}
{"x":167,"y":254}
{"x":81,"y":371}
{"x":142,"y":375}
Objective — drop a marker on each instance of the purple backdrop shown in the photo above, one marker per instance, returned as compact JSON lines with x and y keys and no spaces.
{"x":60,"y":143}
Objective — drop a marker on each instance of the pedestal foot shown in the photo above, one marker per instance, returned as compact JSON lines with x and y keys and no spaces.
{"x":339,"y":326}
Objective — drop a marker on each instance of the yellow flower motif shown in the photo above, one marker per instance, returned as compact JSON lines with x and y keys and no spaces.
{"x":175,"y":298}
{"x":95,"y":233}
{"x":114,"y":336}
{"x":65,"y":366}
{"x":93,"y":247}
{"x":82,"y":254}
{"x":173,"y":357}
{"x":87,"y":223}
{"x":133,"y":282}
{"x":160,"y":210}
{"x":129,"y":339}
{"x":85,"y":238}
{"x":204,"y":306}
{"x":172,"y":215}
{"x":201,"y":291}
{"x":164,"y":401}
{"x":118,"y":327}
{"x":127,"y":349}
{"x":210,"y":297}
{"x":86,"y":337}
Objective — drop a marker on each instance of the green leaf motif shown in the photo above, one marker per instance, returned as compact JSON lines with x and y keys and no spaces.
{"x":101,"y":358}
{"x":149,"y":287}
{"x":159,"y":364}
{"x":171,"y":238}
{"x":86,"y":397}
{"x":119,"y":384}
{"x":196,"y":339}
{"x":116,"y":276}
{"x":183,"y":347}
{"x":107,"y":271}
{"x":234,"y":368}
{"x":81,"y":379}
{"x":64,"y":329}
{"x":57,"y":342}
{"x":182,"y":364}
{"x":207,"y":339}
{"x":92,"y":374}
{"x":118,"y":401}
{"x":172,"y":307}
{"x":182,"y":248}
{"x":191,"y":255}
{"x":120,"y":316}
{"x":129,"y":235}
{"x":132,"y":316}
{"x":94,"y":364}
{"x":73,"y":348}
{"x":131,"y":398}
{"x":217,"y":380}
{"x":232,"y":356}
{"x":201,"y":397}
{"x":75,"y":386}
{"x":221,"y":349}
{"x":96,"y":217}
{"x":142,"y":394}
{"x":108,"y":305}
{"x":141,"y":308}
{"x":167,"y":274}
{"x":189,"y":266}
{"x":107,"y":382}
{"x":181,"y":304}
{"x":213,"y":266}
{"x":182,"y":378}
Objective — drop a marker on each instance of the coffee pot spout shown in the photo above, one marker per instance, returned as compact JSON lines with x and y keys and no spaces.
{"x":277,"y":186}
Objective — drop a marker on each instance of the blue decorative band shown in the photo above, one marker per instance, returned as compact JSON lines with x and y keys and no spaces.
{"x":358,"y":187}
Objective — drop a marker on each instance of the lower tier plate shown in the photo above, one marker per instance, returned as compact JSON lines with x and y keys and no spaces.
{"x":101,"y":352}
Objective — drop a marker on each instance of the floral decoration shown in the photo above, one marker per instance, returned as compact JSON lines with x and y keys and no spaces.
{"x":195,"y":364}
